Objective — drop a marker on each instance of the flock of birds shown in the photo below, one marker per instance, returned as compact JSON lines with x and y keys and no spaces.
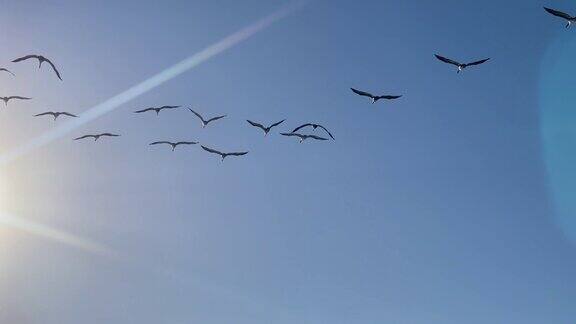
{"x":266,"y":129}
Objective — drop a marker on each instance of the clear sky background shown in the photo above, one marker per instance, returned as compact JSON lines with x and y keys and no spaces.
{"x":450,"y":205}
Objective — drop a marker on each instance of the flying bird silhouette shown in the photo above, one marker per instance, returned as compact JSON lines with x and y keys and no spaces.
{"x":569,"y":19}
{"x":6,"y":99}
{"x":314,"y":126}
{"x":262,"y":127}
{"x":173,"y":144}
{"x":461,"y":66}
{"x":156,"y":109}
{"x":373,"y":97}
{"x":6,"y":70}
{"x":205,"y":122}
{"x":41,"y":59}
{"x":223,"y":155}
{"x":97,"y":136}
{"x":303,"y":137}
{"x":56,"y":114}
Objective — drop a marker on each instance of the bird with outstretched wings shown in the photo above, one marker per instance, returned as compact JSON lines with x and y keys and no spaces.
{"x":41,"y":59}
{"x":264,"y":128}
{"x":373,"y":97}
{"x":314,"y":126}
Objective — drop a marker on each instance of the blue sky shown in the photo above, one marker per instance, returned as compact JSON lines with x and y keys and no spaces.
{"x":450,"y":205}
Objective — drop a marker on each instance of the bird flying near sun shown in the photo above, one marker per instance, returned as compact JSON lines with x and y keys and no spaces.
{"x":41,"y":59}
{"x":373,"y":97}
{"x":156,"y":109}
{"x":96,"y":136}
{"x":55,"y":114}
{"x":461,"y":66}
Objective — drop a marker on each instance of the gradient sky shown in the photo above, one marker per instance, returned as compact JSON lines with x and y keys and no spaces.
{"x":453,"y":204}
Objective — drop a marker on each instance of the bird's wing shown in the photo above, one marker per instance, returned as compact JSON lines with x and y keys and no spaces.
{"x":478,"y":62}
{"x":215,"y":118}
{"x":68,"y":114}
{"x":45,"y":113}
{"x":558,"y":13}
{"x":6,"y":70}
{"x":85,"y":136}
{"x":143,"y":110}
{"x":160,"y":142}
{"x":300,"y":127}
{"x":23,"y":58}
{"x":237,"y":153}
{"x":447,"y":60}
{"x":186,"y":143}
{"x":255,"y":124}
{"x":362,"y":93}
{"x":197,"y":114}
{"x":390,"y":97}
{"x":327,"y":131}
{"x":211,"y":150}
{"x":18,"y":97}
{"x":109,"y":134}
{"x":169,"y":107}
{"x":278,"y":123}
{"x":292,"y":134}
{"x":318,"y":137}
{"x":54,"y":68}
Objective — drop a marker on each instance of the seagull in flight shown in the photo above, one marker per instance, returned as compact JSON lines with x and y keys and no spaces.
{"x":461,"y":66}
{"x":97,"y":136}
{"x":173,"y":144}
{"x":373,"y":97}
{"x":56,"y":114}
{"x":314,"y":126}
{"x":6,"y":70}
{"x":156,"y":109}
{"x":6,"y":99}
{"x":569,"y":19}
{"x":205,"y":122}
{"x":41,"y":59}
{"x":265,"y":129}
{"x":303,"y":137}
{"x":223,"y":155}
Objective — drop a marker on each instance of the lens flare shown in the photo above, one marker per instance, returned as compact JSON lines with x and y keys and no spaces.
{"x":558,"y":128}
{"x":153,"y":82}
{"x":113,"y":103}
{"x":53,"y":234}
